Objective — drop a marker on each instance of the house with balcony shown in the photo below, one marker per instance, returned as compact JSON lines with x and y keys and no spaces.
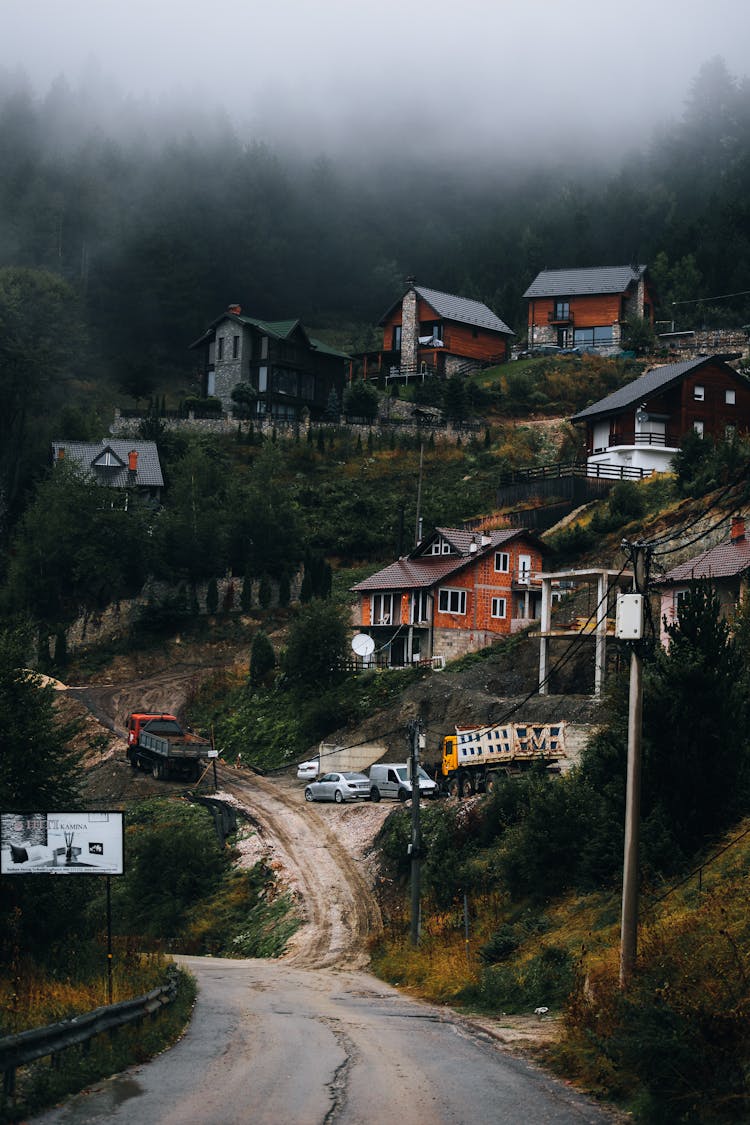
{"x":456,"y":592}
{"x":726,"y":566}
{"x":287,"y":368}
{"x":130,"y":468}
{"x":427,"y":332}
{"x":642,"y":425}
{"x":587,"y":308}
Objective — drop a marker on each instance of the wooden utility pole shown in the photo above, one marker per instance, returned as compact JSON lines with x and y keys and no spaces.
{"x":629,"y":927}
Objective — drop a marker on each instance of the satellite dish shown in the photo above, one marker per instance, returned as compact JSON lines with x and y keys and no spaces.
{"x":363,"y":645}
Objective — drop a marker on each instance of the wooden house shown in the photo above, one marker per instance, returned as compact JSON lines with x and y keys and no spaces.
{"x":587,"y":308}
{"x":642,"y":424}
{"x":427,"y":332}
{"x":288,"y":369}
{"x":456,"y":592}
{"x":726,"y":566}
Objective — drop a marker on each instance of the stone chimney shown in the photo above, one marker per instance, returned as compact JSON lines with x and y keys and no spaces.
{"x":235,"y":310}
{"x":409,"y":328}
{"x":737,"y":534}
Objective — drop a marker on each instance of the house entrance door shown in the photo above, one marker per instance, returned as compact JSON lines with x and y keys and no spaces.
{"x":397,"y":652}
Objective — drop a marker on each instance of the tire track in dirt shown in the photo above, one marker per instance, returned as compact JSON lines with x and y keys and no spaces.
{"x":333,"y":894}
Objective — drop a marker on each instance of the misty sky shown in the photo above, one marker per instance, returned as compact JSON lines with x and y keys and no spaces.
{"x":470,"y":75}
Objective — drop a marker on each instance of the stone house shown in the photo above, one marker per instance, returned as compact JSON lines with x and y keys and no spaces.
{"x":288,"y":369}
{"x":456,"y":592}
{"x":587,"y":308}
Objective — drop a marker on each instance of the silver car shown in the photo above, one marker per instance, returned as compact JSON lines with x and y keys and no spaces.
{"x":339,"y":787}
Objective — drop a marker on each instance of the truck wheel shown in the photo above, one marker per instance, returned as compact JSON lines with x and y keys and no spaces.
{"x":134,"y":763}
{"x":375,"y":794}
{"x":453,"y":788}
{"x":403,"y":795}
{"x":465,"y":786}
{"x":490,"y":785}
{"x":156,"y":771}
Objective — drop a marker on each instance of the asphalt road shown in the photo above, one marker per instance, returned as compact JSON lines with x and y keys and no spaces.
{"x":270,"y":1044}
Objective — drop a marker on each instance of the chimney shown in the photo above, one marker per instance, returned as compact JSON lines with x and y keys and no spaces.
{"x":473,"y":545}
{"x":737,"y":534}
{"x":61,"y":453}
{"x":133,"y":461}
{"x":235,"y":310}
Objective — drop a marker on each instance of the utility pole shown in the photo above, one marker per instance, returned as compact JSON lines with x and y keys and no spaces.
{"x":416,"y":741}
{"x":630,"y":618}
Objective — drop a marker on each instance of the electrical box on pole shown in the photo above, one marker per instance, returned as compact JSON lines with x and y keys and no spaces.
{"x":629,"y":617}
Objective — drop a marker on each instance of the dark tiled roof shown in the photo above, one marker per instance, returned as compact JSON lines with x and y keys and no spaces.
{"x":582,"y":282}
{"x":655,"y":380}
{"x":463,"y":310}
{"x":84,"y":454}
{"x":279,"y":329}
{"x":726,"y":560}
{"x":419,"y":570}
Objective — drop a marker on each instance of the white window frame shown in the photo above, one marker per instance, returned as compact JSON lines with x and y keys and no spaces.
{"x":504,"y":562}
{"x":381,"y":609}
{"x":447,"y":596}
{"x":420,"y":607}
{"x":699,"y":393}
{"x":730,"y":397}
{"x":698,"y":427}
{"x":499,"y":608}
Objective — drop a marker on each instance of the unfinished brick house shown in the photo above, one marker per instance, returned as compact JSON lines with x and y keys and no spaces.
{"x":456,"y":592}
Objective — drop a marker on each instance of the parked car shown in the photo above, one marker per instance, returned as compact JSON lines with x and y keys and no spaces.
{"x":307,"y":771}
{"x":391,"y":779}
{"x":339,"y":787}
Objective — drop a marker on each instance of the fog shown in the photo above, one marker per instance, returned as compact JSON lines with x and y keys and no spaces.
{"x":480,"y":79}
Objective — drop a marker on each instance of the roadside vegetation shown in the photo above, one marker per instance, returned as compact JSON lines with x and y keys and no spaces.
{"x":532,"y":874}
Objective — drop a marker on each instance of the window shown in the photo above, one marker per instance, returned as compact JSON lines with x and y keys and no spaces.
{"x":698,"y":428}
{"x":502,"y":562}
{"x":440,"y":547}
{"x":419,"y":607}
{"x":262,"y":379}
{"x":562,"y":310}
{"x":220,"y":348}
{"x":382,"y":609}
{"x":730,"y":398}
{"x":524,"y":568}
{"x":397,"y":338}
{"x":592,"y":337}
{"x":498,"y":607}
{"x":235,"y":346}
{"x":452,"y":601}
{"x":264,"y":347}
{"x":699,"y":393}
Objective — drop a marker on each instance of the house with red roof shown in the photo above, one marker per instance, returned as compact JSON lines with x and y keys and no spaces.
{"x":726,"y":566}
{"x":456,"y":592}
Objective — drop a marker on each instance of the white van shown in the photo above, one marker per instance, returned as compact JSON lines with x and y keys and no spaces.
{"x":391,"y":779}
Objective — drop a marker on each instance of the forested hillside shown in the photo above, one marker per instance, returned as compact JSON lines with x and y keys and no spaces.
{"x":158,"y":224}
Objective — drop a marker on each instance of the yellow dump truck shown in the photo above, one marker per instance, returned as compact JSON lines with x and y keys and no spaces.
{"x":473,"y":757}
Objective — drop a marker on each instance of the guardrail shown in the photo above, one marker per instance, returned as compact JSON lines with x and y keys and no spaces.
{"x":38,"y":1043}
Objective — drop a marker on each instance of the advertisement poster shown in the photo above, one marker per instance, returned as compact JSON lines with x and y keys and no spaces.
{"x":61,"y":843}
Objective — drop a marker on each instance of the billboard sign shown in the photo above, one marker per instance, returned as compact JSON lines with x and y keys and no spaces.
{"x":61,"y":843}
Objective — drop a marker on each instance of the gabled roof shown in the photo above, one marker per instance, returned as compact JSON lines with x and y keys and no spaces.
{"x":462,"y":310}
{"x":727,"y":559}
{"x":654,"y":381}
{"x":279,"y":329}
{"x":422,"y":571}
{"x":107,"y":461}
{"x":582,"y":282}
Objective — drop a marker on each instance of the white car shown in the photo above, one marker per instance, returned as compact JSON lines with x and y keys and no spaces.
{"x":307,"y":771}
{"x":339,"y":787}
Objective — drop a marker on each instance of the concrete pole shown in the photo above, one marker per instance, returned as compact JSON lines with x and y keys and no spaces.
{"x":544,"y":627}
{"x":629,"y":929}
{"x":416,"y":838}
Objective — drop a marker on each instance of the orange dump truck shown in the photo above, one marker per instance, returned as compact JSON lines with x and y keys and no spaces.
{"x":160,"y":744}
